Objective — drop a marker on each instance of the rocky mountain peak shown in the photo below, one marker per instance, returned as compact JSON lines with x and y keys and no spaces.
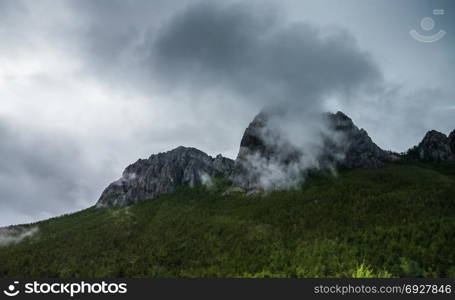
{"x":435,"y":146}
{"x":342,"y":144}
{"x":268,"y":156}
{"x":162,"y":173}
{"x":252,"y":140}
{"x":452,"y":141}
{"x":360,"y":151}
{"x":340,"y":121}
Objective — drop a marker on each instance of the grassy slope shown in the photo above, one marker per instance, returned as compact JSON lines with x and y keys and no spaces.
{"x":397,"y":221}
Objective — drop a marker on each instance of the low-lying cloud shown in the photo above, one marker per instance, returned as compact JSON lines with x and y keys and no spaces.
{"x":14,"y":235}
{"x":290,"y":144}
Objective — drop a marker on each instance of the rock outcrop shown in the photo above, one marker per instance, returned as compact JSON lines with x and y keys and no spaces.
{"x":452,"y":141}
{"x":435,"y":147}
{"x":360,"y":151}
{"x":163,"y":173}
{"x":343,"y":144}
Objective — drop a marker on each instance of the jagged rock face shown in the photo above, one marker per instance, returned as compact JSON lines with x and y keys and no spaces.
{"x":252,"y":141}
{"x":344,"y":144}
{"x":360,"y":151}
{"x":163,"y":173}
{"x":435,"y":146}
{"x":452,"y":141}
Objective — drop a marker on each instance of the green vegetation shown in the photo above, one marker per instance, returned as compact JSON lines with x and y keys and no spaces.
{"x":393,"y":222}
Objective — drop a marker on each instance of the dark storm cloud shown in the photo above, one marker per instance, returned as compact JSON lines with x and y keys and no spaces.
{"x":256,"y":54}
{"x":11,"y":8}
{"x":112,"y":27}
{"x":112,"y":33}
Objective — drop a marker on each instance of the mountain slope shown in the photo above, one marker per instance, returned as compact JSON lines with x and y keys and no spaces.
{"x":396,"y":221}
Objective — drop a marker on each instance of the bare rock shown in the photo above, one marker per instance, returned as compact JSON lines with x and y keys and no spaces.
{"x":356,"y":150}
{"x":163,"y":173}
{"x":452,"y":141}
{"x":360,"y":150}
{"x":435,"y":147}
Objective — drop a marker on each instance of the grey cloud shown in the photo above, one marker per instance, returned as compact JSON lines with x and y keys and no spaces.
{"x":41,"y":175}
{"x":10,"y":9}
{"x":110,"y":37}
{"x":11,"y":31}
{"x":254,"y":53}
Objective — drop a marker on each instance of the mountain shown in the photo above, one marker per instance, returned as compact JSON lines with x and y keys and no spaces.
{"x":435,"y":146}
{"x":359,"y":151}
{"x":343,"y":145}
{"x":452,"y":141}
{"x":163,"y":173}
{"x":379,"y":215}
{"x":397,"y":221}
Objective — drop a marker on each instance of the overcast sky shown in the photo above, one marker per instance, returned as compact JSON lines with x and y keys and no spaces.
{"x":88,"y":87}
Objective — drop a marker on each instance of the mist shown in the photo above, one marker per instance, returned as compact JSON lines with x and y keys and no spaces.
{"x":14,"y":235}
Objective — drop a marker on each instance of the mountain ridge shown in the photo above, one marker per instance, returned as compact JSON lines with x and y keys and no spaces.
{"x":395,"y":220}
{"x":164,"y":172}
